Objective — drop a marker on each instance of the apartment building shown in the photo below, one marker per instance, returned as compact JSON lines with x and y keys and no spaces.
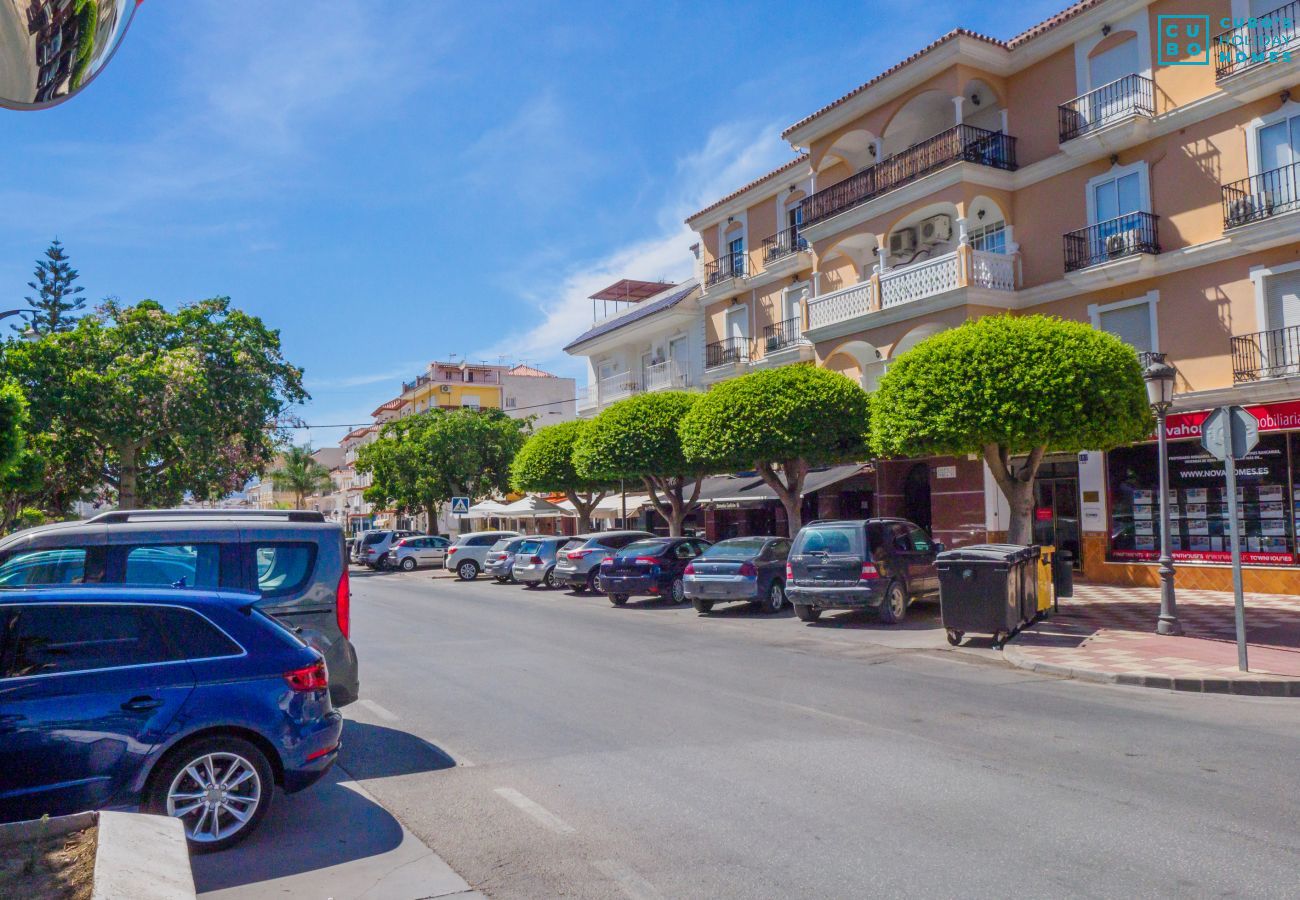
{"x":519,"y":390}
{"x":1105,"y":166}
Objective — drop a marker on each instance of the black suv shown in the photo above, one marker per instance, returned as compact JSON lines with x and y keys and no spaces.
{"x":883,"y":564}
{"x":295,"y":561}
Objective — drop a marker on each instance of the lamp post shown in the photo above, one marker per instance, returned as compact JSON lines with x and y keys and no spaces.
{"x":1159,"y":377}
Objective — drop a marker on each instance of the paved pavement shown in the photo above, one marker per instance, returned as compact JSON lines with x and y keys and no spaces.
{"x":1107,"y":633}
{"x":548,"y":744}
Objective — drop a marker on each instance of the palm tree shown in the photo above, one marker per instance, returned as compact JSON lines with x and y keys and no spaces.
{"x":301,"y":475}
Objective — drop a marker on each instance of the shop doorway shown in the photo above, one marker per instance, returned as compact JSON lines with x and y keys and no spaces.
{"x":1056,"y":507}
{"x":916,"y":496}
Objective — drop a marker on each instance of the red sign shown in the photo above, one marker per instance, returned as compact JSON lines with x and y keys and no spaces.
{"x":1272,"y":417}
{"x":1043,"y":514}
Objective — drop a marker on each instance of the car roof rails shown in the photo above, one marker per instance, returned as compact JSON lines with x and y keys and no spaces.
{"x":119,"y":516}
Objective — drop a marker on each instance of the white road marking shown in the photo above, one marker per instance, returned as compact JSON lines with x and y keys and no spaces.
{"x":541,"y":814}
{"x":629,"y":882}
{"x":385,"y":714}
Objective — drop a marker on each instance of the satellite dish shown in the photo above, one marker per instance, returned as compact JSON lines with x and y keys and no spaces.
{"x":51,"y":49}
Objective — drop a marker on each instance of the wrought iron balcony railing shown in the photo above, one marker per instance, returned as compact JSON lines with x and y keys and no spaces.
{"x":1116,"y":238}
{"x":1266,"y":354}
{"x":1258,"y":40}
{"x":962,"y":143}
{"x":725,"y":352}
{"x":783,"y":243}
{"x":781,"y":335}
{"x":1261,"y":196}
{"x":729,"y":265}
{"x":1132,"y":95}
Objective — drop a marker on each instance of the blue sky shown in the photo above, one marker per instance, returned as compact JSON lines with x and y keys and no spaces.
{"x":390,"y":182}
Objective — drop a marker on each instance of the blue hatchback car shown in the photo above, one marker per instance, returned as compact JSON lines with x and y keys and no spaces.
{"x":193,"y":704}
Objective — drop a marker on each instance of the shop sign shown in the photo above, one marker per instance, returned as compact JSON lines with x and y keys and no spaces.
{"x":1043,"y":514}
{"x":1271,"y":416}
{"x":945,"y":471}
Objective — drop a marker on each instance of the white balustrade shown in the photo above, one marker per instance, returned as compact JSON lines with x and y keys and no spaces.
{"x":996,"y":271}
{"x":614,"y":387}
{"x":923,"y":279}
{"x":664,"y":376}
{"x":838,"y":306}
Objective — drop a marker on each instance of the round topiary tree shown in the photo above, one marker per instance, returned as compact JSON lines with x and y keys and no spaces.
{"x":545,"y":463}
{"x":779,"y":422}
{"x":1010,"y":386}
{"x":638,"y":438}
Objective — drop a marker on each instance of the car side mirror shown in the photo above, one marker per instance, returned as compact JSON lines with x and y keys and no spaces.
{"x":938,"y":547}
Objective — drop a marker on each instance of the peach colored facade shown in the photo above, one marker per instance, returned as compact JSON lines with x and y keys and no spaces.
{"x":1070,"y":171}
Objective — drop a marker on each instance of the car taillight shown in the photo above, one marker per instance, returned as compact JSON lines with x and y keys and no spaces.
{"x":577,"y":554}
{"x":869,"y":572}
{"x":747,"y":570}
{"x":607,"y":561}
{"x":535,"y":560}
{"x":647,"y":560}
{"x":690,"y":569}
{"x":402,"y":542}
{"x":343,"y":604}
{"x":789,"y":574}
{"x":309,"y":678}
{"x":451,"y":550}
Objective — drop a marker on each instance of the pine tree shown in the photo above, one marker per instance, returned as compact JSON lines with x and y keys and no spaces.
{"x":57,"y":298}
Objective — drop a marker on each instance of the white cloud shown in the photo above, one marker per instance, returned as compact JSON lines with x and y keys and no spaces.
{"x":732,"y":155}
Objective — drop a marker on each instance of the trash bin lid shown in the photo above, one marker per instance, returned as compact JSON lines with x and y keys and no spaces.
{"x":989,"y":553}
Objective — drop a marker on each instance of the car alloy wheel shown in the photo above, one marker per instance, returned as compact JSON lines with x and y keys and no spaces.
{"x":215,"y":796}
{"x":467,"y":571}
{"x":677,"y":591}
{"x":775,"y":597}
{"x":408,"y":564}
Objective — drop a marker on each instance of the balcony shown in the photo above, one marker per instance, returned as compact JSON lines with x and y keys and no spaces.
{"x":782,"y":335}
{"x":725,"y":268}
{"x":783,"y":244}
{"x":1123,"y":100}
{"x":1266,"y":354}
{"x":1263,"y":39}
{"x":726,"y":352}
{"x":1261,"y":196}
{"x":1129,"y":235}
{"x":896,"y":288}
{"x":452,"y":377}
{"x":962,"y":143}
{"x":615,"y":387}
{"x":665,"y":376}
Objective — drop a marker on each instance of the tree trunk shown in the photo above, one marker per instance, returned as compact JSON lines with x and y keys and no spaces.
{"x":584,"y":505}
{"x":675,"y":506}
{"x":1017,"y":487}
{"x":128,"y":475}
{"x":788,"y":485}
{"x":431,"y":513}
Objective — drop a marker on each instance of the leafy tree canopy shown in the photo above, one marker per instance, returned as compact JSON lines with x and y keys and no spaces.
{"x":637,"y":437}
{"x":545,"y":463}
{"x":301,"y":475}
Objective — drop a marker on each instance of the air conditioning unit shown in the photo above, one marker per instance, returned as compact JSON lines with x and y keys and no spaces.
{"x":1245,"y":209}
{"x":902,"y":241}
{"x":1120,"y":243}
{"x":936,"y":230}
{"x":445,"y":388}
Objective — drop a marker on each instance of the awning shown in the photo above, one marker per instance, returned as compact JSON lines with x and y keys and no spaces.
{"x":486,"y":508}
{"x":531,"y":508}
{"x":611,"y":506}
{"x":747,"y":489}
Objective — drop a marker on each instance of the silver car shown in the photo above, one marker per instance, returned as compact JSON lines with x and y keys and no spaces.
{"x":468,"y":553}
{"x":579,"y":560}
{"x":410,"y":553}
{"x":501,"y":557}
{"x":535,"y":560}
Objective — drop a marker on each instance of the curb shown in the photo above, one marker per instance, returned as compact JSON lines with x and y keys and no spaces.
{"x":142,"y":857}
{"x":1239,"y":686}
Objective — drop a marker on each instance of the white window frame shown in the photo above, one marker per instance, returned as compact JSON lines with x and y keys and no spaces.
{"x":741,"y":311}
{"x":1288,"y":110}
{"x":1139,"y":22}
{"x":1258,"y":275}
{"x":1151,"y":299}
{"x":1116,"y":172}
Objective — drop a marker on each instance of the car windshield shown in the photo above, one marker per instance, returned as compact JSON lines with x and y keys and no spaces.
{"x":503,"y":544}
{"x":735,"y":548}
{"x":373,"y":537}
{"x":529,"y":547}
{"x":642,"y":548}
{"x":828,"y":540}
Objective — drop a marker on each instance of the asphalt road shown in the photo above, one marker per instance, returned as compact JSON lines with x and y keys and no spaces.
{"x":548,"y":744}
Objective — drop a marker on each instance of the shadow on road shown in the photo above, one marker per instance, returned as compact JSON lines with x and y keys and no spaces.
{"x":919,"y":618}
{"x":326,"y":825}
{"x":375,"y":751}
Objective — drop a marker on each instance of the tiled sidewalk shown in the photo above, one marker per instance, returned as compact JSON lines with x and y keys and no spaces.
{"x":1108,"y":633}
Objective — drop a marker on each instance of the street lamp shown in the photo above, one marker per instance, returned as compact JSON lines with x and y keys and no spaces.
{"x":1159,"y":377}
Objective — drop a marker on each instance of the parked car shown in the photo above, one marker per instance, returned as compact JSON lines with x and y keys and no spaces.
{"x":292,"y":561}
{"x":579,"y":561}
{"x":501,"y":557}
{"x":881,"y":564}
{"x":535,"y":560}
{"x":740,"y":568}
{"x":376,"y":545}
{"x":409,"y":553}
{"x":188,"y":703}
{"x":467,"y":555}
{"x":654,"y":566}
{"x":358,"y":543}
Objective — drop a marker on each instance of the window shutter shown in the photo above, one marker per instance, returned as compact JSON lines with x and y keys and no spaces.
{"x":1282,"y":300}
{"x":1131,"y":324}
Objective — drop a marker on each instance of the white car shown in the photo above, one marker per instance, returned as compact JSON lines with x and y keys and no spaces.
{"x":410,"y":553}
{"x":467,"y":556}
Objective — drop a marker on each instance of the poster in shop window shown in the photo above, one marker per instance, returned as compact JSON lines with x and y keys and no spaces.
{"x":1199,"y":529}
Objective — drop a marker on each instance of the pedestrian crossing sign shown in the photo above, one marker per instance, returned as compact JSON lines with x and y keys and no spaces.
{"x":460,"y":506}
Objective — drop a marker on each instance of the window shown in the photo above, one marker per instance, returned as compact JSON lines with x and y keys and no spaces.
{"x":1132,"y":321}
{"x":736,"y":252}
{"x":178,"y":565}
{"x":65,"y":565}
{"x":1117,"y":197}
{"x":52,"y":639}
{"x":1113,"y":64}
{"x":738,"y":323}
{"x":470,"y":402}
{"x":1282,"y":300}
{"x":283,"y":568}
{"x":919,"y":540}
{"x":827,"y":540}
{"x":193,"y":636}
{"x":900,"y":537}
{"x":990,"y":238}
{"x":1279,"y":144}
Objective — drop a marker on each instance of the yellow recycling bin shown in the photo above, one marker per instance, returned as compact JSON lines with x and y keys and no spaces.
{"x":1045,"y":581}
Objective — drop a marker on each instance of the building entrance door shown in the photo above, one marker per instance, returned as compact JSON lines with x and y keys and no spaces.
{"x":1056,"y":507}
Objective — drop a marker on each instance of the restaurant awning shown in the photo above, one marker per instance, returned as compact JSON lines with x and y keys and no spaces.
{"x":532,"y":508}
{"x":747,"y":489}
{"x":611,"y":506}
{"x":486,"y":508}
